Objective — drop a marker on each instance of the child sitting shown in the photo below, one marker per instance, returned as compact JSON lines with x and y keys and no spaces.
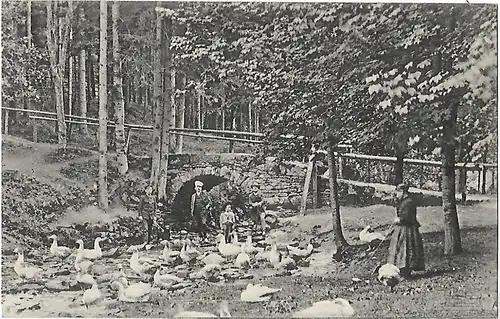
{"x":227,"y":220}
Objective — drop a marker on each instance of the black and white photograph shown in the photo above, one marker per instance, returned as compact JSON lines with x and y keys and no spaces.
{"x":191,"y":159}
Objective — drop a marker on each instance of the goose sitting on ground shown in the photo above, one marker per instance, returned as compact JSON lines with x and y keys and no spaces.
{"x":169,"y":256}
{"x":242,"y":260}
{"x":227,"y":250}
{"x":82,"y":265}
{"x":211,"y":258}
{"x":210,"y":272}
{"x":140,"y":293}
{"x":370,"y":237}
{"x":188,"y":254}
{"x":85,"y":279}
{"x":298,"y":254}
{"x":90,"y":296}
{"x":91,"y":254}
{"x":337,"y":308}
{"x":274,"y":256}
{"x":223,"y":312}
{"x":29,"y":273}
{"x":166,"y":280}
{"x":110,"y":277}
{"x":263,"y":255}
{"x":389,"y":275}
{"x":132,"y":248}
{"x":140,"y":267}
{"x":258,"y":292}
{"x":250,"y":248}
{"x":59,"y":251}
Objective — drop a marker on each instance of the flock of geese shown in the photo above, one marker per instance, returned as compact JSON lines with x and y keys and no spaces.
{"x":181,"y":255}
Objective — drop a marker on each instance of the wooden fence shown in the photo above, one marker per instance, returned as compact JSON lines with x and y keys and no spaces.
{"x":352,"y":166}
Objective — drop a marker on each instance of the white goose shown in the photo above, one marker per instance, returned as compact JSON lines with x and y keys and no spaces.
{"x":59,"y":251}
{"x":257,"y":293}
{"x":140,"y":293}
{"x":81,"y":264}
{"x":368,"y":237}
{"x":389,"y":275}
{"x":86,"y":279}
{"x":140,"y":267}
{"x":250,"y":248}
{"x":242,"y":260}
{"x":165,"y":280}
{"x":91,"y":254}
{"x":90,"y":296}
{"x":338,"y":308}
{"x":223,"y":312}
{"x":227,"y":250}
{"x":30,"y":273}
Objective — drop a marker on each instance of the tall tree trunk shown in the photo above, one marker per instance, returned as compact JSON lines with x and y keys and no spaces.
{"x":103,"y":112}
{"x":90,"y":78}
{"x":452,"y":238}
{"x":126,"y":95}
{"x":57,"y":57}
{"x":182,"y":108}
{"x":121,"y":154}
{"x":158,"y":106}
{"x":30,"y":40}
{"x":166,"y":61}
{"x":70,"y":84}
{"x":83,"y":93}
{"x":173,"y":119}
{"x":338,"y":234}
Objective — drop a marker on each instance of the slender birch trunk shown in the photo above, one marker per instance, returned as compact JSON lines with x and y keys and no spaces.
{"x":121,"y":154}
{"x":103,"y":112}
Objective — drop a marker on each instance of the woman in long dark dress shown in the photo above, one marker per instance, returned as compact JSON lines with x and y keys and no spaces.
{"x":406,"y":250}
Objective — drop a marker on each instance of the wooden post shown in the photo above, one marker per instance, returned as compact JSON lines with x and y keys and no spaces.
{"x":341,"y":167}
{"x":6,"y":123}
{"x":478,"y":179}
{"x":129,"y":135}
{"x":314,"y":177}
{"x":483,"y":180}
{"x":305,"y":191}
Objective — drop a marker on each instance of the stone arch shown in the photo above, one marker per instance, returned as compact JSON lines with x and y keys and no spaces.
{"x":182,"y":186}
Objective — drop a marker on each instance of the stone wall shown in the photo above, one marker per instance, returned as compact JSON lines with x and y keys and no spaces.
{"x":280,"y":183}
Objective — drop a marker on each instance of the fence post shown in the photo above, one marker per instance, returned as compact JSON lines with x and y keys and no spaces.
{"x":315,"y":185}
{"x":483,"y":186}
{"x":35,"y":130}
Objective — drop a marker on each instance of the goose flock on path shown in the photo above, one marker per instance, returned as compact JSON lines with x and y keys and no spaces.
{"x":156,"y":273}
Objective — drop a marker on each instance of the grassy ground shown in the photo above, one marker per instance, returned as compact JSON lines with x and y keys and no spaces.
{"x":463,"y":286}
{"x":459,"y":286}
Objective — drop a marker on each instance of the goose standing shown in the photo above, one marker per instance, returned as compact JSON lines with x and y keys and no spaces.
{"x":141,"y":267}
{"x":250,"y":248}
{"x":338,"y":308}
{"x":91,"y":254}
{"x":59,"y":251}
{"x":389,"y":275}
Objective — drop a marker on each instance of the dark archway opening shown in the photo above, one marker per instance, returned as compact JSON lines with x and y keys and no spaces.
{"x":181,"y":205}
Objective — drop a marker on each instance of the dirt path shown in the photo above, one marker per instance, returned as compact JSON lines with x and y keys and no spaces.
{"x":30,"y":159}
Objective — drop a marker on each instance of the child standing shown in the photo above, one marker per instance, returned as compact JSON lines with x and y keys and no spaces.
{"x":227,"y":220}
{"x":257,"y":209}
